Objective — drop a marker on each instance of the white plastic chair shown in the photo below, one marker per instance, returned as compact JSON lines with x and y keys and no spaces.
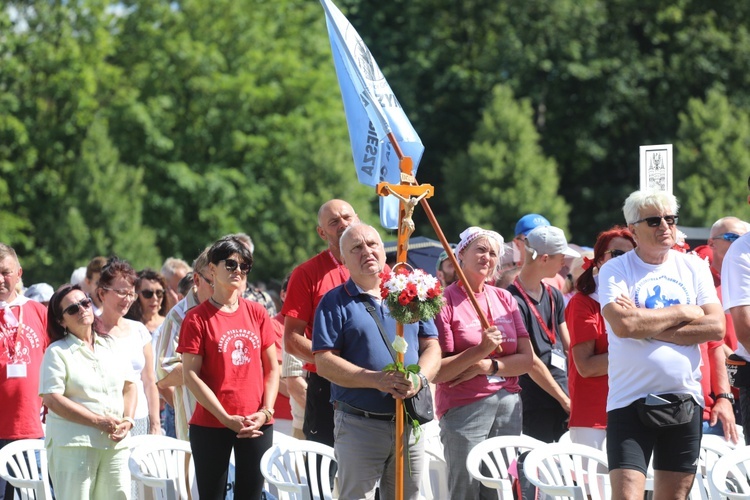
{"x":568,"y":470}
{"x":18,"y":466}
{"x":712,"y":449}
{"x":729,"y":475}
{"x":299,"y":470}
{"x":159,"y":462}
{"x":434,"y":485}
{"x":497,"y":455}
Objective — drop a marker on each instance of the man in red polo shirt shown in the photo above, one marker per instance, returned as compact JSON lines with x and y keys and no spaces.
{"x":23,"y":339}
{"x":307,"y":285}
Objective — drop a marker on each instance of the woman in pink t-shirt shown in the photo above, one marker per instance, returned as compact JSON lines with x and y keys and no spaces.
{"x":588,"y":356}
{"x":230,"y":365}
{"x":477,"y":387}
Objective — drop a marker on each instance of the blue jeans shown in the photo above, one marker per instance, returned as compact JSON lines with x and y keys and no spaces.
{"x":464,"y":427}
{"x":167,"y":421}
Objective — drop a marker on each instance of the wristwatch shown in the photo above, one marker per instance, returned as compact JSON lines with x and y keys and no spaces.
{"x":495,"y":367}
{"x":726,"y":395}
{"x":424,"y":380}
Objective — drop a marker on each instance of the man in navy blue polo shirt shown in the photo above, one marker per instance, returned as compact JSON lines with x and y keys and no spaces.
{"x":350,"y":352}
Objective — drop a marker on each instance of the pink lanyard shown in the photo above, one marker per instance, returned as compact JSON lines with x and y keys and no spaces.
{"x":550,"y":332}
{"x":339,"y":266}
{"x":490,"y":320}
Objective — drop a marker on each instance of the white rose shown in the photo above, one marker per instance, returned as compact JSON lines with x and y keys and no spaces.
{"x":400,"y":345}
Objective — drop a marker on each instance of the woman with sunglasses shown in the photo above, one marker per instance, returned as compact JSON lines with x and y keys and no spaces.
{"x":89,"y":390}
{"x":229,"y":363}
{"x":116,"y":291}
{"x":150,"y":308}
{"x":587,"y":378}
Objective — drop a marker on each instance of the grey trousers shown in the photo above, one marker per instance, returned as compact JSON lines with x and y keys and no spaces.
{"x":365,"y":452}
{"x":464,"y":427}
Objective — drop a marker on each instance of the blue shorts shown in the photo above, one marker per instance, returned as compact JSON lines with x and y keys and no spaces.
{"x":630,"y":443}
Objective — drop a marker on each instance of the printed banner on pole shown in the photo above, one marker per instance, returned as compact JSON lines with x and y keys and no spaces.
{"x":372,"y":111}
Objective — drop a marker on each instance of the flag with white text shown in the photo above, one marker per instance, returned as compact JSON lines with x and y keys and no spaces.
{"x":372,"y":111}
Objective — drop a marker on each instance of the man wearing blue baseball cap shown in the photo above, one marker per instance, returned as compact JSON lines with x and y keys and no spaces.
{"x":524,"y":226}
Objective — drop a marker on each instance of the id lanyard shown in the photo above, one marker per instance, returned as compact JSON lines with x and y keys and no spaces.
{"x":490,"y":319}
{"x":550,"y":332}
{"x":344,"y":276}
{"x":10,"y":345}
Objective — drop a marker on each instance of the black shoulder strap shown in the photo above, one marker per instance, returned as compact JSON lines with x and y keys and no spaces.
{"x":371,"y":309}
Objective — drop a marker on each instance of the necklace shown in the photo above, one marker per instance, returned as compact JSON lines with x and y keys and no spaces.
{"x":220,"y":305}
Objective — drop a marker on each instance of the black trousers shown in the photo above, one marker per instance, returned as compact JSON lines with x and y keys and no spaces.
{"x":211,"y":450}
{"x":318,"y":424}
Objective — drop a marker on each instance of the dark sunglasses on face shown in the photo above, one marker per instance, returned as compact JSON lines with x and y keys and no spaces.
{"x":232,"y":264}
{"x":147,"y":294}
{"x":73,"y":309}
{"x":730,"y":237}
{"x":615,"y":253}
{"x":655,"y":221}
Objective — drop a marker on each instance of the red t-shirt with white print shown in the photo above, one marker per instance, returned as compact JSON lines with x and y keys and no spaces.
{"x":231,"y":345}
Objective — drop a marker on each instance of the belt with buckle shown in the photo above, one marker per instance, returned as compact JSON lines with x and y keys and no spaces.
{"x":341,"y":406}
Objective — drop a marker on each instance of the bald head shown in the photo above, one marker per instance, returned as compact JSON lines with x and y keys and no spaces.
{"x":334,"y":217}
{"x":721,"y":238}
{"x":362,"y":252}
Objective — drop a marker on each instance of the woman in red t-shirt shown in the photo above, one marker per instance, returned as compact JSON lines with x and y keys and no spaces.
{"x":230,"y":365}
{"x":588,"y":356}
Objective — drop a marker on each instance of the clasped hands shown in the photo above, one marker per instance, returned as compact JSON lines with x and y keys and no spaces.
{"x":247,"y":426}
{"x":115,"y":428}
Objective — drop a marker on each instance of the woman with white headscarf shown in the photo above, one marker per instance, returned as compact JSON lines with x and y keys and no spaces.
{"x":477,"y":386}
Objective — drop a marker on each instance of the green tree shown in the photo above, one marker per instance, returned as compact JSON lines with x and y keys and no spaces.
{"x":714,"y":163}
{"x":602,"y":78}
{"x":504,"y":171}
{"x":56,"y":82}
{"x":238,"y":124}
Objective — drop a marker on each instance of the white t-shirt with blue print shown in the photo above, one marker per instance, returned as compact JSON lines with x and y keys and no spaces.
{"x":641,"y":367}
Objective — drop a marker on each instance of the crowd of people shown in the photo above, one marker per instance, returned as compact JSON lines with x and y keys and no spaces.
{"x":198,"y":353}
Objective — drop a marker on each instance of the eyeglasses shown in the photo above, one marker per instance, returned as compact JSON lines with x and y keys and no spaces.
{"x":615,"y":253}
{"x":730,"y":237}
{"x":204,"y":278}
{"x":232,"y":264}
{"x":655,"y":221}
{"x":148,"y":294}
{"x":73,"y":309}
{"x":122,"y":293}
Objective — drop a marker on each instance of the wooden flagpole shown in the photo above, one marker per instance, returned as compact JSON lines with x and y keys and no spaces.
{"x":409,"y":194}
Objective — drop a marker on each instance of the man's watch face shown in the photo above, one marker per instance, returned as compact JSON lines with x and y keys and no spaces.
{"x":728,"y":396}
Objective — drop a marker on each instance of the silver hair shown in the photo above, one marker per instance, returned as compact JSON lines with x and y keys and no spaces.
{"x":639,"y":200}
{"x":352,"y":226}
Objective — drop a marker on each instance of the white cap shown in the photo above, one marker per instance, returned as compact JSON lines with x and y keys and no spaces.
{"x":40,"y":292}
{"x":78,"y":276}
{"x":548,"y":240}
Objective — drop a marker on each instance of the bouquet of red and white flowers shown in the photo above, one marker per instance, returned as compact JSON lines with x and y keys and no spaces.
{"x":411,"y":295}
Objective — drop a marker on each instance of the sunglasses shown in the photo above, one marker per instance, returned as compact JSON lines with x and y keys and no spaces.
{"x":655,"y":221}
{"x":73,"y":309}
{"x":148,"y":294}
{"x":730,"y":237}
{"x":122,"y":293}
{"x":232,"y":265}
{"x":615,"y":253}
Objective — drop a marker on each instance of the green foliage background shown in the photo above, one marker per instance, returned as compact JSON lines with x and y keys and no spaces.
{"x":149,"y":128}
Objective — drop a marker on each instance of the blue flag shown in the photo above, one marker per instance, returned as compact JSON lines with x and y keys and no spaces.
{"x":372,"y":112}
